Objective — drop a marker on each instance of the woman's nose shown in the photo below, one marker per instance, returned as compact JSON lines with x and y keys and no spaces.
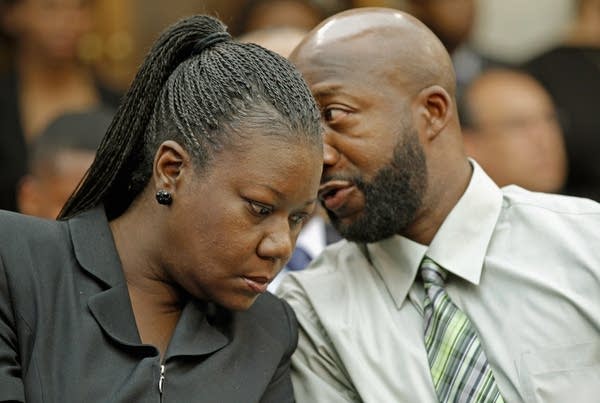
{"x":277,"y":245}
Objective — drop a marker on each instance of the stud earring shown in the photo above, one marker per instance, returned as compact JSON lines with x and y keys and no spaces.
{"x":163,"y":197}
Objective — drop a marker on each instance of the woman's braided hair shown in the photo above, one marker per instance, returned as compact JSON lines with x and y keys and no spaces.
{"x":200,"y":89}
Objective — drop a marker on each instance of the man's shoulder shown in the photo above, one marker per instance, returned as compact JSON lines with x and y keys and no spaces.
{"x":517,"y":198}
{"x":335,"y":262}
{"x":331,"y":279}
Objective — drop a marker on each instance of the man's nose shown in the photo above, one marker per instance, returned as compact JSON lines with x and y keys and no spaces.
{"x":330,"y":154}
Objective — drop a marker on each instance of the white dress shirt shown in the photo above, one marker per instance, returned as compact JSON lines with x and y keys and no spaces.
{"x":524,"y":267}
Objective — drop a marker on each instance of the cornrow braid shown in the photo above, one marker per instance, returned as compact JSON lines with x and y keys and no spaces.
{"x":200,"y":89}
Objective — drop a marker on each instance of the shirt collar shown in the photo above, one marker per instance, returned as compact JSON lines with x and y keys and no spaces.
{"x":459,"y":245}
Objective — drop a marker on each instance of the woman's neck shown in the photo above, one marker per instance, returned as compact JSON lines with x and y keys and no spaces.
{"x":156,"y":302}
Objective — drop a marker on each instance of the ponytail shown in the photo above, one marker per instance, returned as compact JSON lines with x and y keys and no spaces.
{"x":107,"y":179}
{"x":199,"y":88}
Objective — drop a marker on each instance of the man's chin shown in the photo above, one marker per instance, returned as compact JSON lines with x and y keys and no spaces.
{"x":360,"y":230}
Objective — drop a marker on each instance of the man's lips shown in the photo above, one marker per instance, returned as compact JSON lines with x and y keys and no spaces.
{"x":334,"y":193}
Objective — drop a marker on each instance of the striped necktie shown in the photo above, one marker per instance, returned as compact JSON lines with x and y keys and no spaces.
{"x":459,"y":368}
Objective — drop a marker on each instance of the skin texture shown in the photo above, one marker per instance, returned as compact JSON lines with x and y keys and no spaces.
{"x":380,"y":76}
{"x":515,"y":134}
{"x":45,"y":190}
{"x":236,"y":220}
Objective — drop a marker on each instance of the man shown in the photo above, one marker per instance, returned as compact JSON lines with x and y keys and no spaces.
{"x":498,"y":289}
{"x":59,"y":157}
{"x":511,"y":129}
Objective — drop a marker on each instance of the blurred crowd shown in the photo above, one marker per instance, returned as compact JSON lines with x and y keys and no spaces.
{"x":534,"y":123}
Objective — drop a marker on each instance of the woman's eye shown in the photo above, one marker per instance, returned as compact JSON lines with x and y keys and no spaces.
{"x":259,"y":208}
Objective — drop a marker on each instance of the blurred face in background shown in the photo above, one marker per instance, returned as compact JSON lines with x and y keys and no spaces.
{"x":51,"y":28}
{"x":451,"y":20}
{"x":514,"y":132}
{"x":282,"y":13}
{"x":44,"y":191}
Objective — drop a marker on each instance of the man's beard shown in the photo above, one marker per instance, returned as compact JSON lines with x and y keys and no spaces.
{"x":392,"y":197}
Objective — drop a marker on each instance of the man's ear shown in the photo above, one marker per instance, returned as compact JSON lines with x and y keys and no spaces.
{"x":170,"y":160}
{"x":435,"y":109}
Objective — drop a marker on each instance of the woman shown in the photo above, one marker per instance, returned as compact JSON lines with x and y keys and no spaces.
{"x":152,"y":286}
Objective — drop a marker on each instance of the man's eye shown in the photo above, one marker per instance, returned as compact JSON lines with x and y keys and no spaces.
{"x":298,"y":219}
{"x":331,"y":114}
{"x":259,"y":208}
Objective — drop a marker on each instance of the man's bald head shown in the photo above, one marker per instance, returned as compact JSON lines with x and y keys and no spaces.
{"x":393,"y":42}
{"x":393,"y":148}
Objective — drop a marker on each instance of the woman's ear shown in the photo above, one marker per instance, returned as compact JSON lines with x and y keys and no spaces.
{"x":170,"y":161}
{"x":435,"y":108}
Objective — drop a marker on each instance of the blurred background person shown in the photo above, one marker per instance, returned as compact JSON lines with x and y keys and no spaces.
{"x":511,"y":129}
{"x":58,"y":159}
{"x":260,"y":14}
{"x":45,"y":78}
{"x":570,"y":71}
{"x":282,"y":39}
{"x":452,"y":21}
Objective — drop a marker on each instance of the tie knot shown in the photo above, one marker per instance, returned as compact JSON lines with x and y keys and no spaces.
{"x":432,"y":273}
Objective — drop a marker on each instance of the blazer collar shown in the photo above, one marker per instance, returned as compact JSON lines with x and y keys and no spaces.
{"x":96,"y":253}
{"x":94,"y":246}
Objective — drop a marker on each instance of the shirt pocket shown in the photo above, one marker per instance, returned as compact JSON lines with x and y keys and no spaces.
{"x":569,"y":373}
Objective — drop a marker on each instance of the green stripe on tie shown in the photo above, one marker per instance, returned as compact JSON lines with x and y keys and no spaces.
{"x":459,"y":368}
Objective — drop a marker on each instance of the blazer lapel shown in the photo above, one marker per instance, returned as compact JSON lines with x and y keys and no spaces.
{"x":96,"y":253}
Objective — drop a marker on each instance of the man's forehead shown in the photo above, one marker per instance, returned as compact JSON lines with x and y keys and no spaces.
{"x":355,"y":25}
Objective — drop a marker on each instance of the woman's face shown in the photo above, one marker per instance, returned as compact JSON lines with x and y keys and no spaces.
{"x":234,"y":226}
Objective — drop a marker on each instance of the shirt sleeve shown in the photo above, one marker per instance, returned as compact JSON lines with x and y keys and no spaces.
{"x":11,"y":385}
{"x":318,"y":375}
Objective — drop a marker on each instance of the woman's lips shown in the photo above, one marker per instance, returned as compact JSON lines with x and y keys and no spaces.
{"x":334,"y":194}
{"x":257,"y":284}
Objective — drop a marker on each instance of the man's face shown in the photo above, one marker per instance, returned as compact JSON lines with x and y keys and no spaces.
{"x":374,"y":173}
